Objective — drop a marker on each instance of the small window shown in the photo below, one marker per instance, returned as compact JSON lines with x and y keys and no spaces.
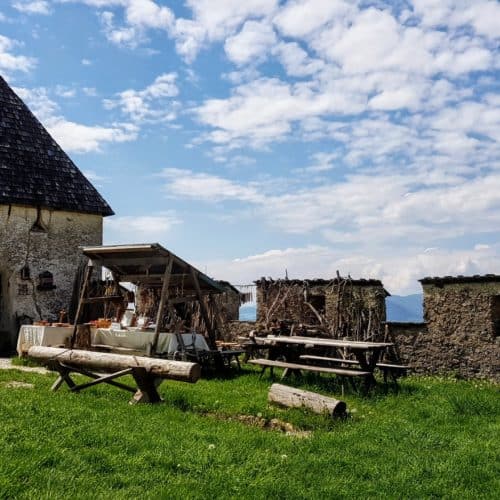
{"x":318,"y":302}
{"x":25,"y":273}
{"x":38,"y":226}
{"x":46,"y":281}
{"x":23,"y":289}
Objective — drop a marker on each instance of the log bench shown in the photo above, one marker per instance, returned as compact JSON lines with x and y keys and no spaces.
{"x":297,"y":368}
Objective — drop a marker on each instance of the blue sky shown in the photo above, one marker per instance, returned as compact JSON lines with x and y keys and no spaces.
{"x":258,"y":136}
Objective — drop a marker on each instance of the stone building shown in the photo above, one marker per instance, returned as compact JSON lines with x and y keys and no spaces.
{"x":350,"y":307}
{"x":461,"y":333}
{"x":48,"y":209}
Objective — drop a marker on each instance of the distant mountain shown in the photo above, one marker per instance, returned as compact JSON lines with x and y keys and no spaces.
{"x":405,"y":308}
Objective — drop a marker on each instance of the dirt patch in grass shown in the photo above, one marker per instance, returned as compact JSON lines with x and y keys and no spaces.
{"x":271,"y":424}
{"x":15,"y":384}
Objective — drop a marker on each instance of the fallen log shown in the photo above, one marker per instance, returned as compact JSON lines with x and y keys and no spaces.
{"x":109,"y":363}
{"x":297,"y":398}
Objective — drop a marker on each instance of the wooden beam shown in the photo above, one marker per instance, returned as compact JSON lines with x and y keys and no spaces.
{"x":106,"y":298}
{"x":203,"y":310}
{"x":83,"y":293}
{"x":163,"y":301}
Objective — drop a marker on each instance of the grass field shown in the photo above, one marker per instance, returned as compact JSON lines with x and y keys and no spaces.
{"x":433,"y":438}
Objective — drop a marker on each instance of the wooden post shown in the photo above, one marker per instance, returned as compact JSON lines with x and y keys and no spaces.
{"x":83,"y":293}
{"x":203,"y":310}
{"x":82,"y":338}
{"x":163,"y":301}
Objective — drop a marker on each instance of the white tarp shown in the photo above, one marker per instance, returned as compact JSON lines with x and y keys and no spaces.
{"x":49,"y":336}
{"x":139,"y":340}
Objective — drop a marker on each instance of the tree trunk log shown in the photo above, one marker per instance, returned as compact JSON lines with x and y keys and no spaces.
{"x":297,"y":398}
{"x":106,"y":362}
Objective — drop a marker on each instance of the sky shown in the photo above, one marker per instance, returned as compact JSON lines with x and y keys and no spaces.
{"x":263,"y":137}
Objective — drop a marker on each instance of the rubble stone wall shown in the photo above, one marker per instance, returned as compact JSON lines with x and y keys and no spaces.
{"x":460,"y":335}
{"x":55,"y":250}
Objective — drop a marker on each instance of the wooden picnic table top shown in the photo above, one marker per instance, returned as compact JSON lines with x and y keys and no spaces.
{"x":351,"y":344}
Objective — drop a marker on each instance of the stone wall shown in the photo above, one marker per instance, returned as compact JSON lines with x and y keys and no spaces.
{"x":55,"y":249}
{"x":461,"y":323}
{"x":354,"y":308}
{"x":460,"y":336}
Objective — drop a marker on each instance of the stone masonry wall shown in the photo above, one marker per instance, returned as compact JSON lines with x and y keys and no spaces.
{"x":460,"y":320}
{"x":459,"y":335}
{"x":55,"y":250}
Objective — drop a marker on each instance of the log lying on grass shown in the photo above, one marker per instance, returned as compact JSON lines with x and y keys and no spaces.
{"x":297,"y":398}
{"x":110,"y":363}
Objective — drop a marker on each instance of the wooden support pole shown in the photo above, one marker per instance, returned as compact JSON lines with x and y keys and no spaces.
{"x":203,"y":310}
{"x":83,"y":293}
{"x":163,"y":301}
{"x":296,"y":398}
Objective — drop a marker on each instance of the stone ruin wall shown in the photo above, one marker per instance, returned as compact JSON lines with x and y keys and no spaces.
{"x":358,"y":306}
{"x":288,"y":299}
{"x":56,"y":250}
{"x":350,"y":308}
{"x":461,"y":330}
{"x":459,"y":334}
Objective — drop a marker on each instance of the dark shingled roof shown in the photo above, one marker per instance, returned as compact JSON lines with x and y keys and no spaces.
{"x":34,"y":170}
{"x":448,"y":280}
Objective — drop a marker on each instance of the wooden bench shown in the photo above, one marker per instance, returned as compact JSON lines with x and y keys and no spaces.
{"x":386,"y":368}
{"x":294,"y":367}
{"x":393,"y":370}
{"x":329,"y":360}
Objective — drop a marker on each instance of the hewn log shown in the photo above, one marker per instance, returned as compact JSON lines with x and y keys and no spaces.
{"x":297,"y":398}
{"x":106,"y":362}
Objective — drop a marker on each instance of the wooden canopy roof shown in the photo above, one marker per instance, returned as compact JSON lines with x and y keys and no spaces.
{"x":148,"y":264}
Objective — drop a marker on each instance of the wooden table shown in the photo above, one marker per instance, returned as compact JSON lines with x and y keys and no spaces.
{"x":367,"y":353}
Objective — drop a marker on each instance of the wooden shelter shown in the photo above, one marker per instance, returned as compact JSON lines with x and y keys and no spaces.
{"x":154,"y":266}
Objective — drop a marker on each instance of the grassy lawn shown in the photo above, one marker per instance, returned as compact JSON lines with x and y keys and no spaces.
{"x":433,"y":438}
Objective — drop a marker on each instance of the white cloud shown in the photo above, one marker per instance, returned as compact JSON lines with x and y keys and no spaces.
{"x":299,"y":18}
{"x":32,"y":6}
{"x":10,"y":62}
{"x":251,"y":43}
{"x":152,"y":104}
{"x":72,"y":136}
{"x":399,"y":274}
{"x":86,"y":62}
{"x":201,"y":186}
{"x":130,"y":228}
{"x":296,"y":60}
{"x":79,"y":138}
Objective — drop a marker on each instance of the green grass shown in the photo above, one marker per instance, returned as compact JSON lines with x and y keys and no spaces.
{"x":433,"y":438}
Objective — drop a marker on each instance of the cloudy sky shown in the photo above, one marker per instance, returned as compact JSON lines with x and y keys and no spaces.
{"x":256,"y":136}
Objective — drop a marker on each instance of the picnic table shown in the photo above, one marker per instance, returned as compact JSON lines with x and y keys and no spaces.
{"x":367,"y":354}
